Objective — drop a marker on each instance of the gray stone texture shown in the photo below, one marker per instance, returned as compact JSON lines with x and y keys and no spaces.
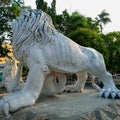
{"x":70,"y":106}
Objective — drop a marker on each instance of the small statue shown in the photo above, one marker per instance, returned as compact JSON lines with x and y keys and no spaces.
{"x":11,"y":78}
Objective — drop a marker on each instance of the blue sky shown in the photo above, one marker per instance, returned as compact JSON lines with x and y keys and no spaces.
{"x":89,"y":8}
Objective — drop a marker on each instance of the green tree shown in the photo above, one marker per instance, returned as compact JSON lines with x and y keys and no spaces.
{"x":112,"y":41}
{"x":9,"y":10}
{"x":68,"y":23}
{"x":102,"y":19}
{"x":63,"y":23}
{"x":41,"y":4}
{"x":52,"y":12}
{"x":3,"y":50}
{"x":77,"y":21}
{"x":53,"y":8}
{"x":91,"y":24}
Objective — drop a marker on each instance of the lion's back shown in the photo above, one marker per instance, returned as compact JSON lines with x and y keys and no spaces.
{"x":64,"y":54}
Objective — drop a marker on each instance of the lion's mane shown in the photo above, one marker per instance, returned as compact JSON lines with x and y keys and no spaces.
{"x":32,"y":27}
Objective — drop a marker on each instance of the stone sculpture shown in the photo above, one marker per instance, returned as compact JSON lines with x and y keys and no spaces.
{"x":45,"y":51}
{"x":11,"y":78}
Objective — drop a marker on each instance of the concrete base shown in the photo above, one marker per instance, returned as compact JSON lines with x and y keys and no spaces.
{"x":70,"y":106}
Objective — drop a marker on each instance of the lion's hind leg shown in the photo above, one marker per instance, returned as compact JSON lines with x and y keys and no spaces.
{"x":109,"y":90}
{"x":98,"y":68}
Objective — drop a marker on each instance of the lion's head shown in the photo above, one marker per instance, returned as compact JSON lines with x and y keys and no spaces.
{"x":32,"y":26}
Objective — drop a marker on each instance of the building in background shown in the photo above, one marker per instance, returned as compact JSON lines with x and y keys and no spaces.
{"x":9,"y":47}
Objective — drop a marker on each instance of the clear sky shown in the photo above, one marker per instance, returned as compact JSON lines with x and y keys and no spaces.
{"x":89,"y":8}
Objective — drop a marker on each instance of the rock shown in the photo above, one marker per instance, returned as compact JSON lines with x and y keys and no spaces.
{"x":70,"y":106}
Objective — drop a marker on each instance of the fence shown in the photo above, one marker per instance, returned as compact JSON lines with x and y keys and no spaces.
{"x":116,"y":78}
{"x":72,"y":78}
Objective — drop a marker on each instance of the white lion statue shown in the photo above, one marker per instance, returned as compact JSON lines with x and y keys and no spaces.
{"x":45,"y":51}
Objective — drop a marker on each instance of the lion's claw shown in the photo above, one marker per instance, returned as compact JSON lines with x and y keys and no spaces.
{"x":106,"y":94}
{"x":113,"y":95}
{"x":109,"y":94}
{"x":119,"y":94}
{"x":4,"y":107}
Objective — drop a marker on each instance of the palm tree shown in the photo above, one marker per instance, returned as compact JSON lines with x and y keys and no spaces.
{"x":102,"y":19}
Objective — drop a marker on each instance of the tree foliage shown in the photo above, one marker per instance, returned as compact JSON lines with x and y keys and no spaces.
{"x":51,"y":10}
{"x":102,"y":19}
{"x":9,"y":10}
{"x":112,"y":43}
{"x":63,"y":23}
{"x":41,"y":4}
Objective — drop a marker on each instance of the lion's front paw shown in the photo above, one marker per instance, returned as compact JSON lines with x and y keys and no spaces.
{"x":4,"y":108}
{"x":14,"y":101}
{"x":110,"y":93}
